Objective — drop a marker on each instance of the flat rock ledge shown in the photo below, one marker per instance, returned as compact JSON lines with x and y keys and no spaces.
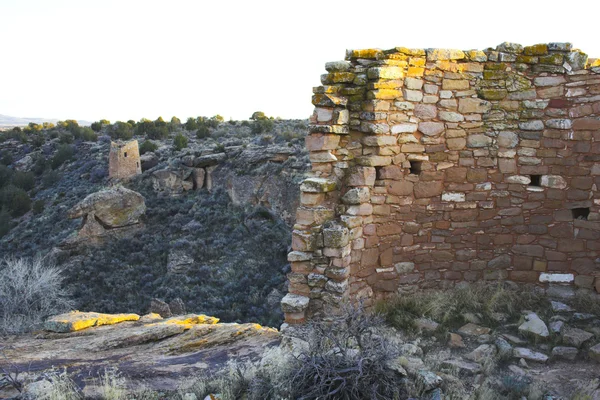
{"x":77,"y":320}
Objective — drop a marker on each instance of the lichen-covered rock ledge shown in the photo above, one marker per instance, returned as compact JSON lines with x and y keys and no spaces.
{"x":432,"y":167}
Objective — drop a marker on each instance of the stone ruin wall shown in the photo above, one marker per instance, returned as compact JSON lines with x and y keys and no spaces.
{"x":432,"y":167}
{"x":124,"y":160}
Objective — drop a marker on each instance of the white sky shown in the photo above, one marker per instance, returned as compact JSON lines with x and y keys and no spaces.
{"x":128,"y":59}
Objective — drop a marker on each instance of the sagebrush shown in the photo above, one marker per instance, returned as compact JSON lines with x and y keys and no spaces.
{"x":30,"y":291}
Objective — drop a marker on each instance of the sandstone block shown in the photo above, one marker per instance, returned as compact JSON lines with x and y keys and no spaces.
{"x":431,"y":128}
{"x":357,"y":195}
{"x":478,"y":141}
{"x":508,"y":139}
{"x":318,"y":185}
{"x":361,"y":176}
{"x":553,"y":181}
{"x":468,"y":105}
{"x":428,"y":189}
{"x":318,"y":142}
{"x":293,"y":303}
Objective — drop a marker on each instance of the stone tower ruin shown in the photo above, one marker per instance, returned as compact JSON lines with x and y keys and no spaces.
{"x":432,"y":167}
{"x":124,"y":160}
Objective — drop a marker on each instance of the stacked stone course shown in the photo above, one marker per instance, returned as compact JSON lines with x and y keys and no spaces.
{"x":433,"y":166}
{"x":124,"y":160}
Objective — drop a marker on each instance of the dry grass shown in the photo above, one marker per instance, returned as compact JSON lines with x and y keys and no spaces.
{"x":449,"y":307}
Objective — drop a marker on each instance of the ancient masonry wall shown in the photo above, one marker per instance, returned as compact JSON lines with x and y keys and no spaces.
{"x":124,"y":160}
{"x":432,"y":167}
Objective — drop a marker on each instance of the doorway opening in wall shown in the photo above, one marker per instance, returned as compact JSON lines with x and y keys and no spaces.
{"x":535,"y":180}
{"x":415,"y":167}
{"x":580,"y":213}
{"x":125,"y":154}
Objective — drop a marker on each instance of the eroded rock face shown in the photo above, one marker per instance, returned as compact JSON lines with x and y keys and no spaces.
{"x":113,"y":211}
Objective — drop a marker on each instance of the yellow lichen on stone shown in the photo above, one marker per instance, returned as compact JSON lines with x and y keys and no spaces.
{"x":76,"y":321}
{"x":415,"y":71}
{"x":444,"y":54}
{"x":450,"y":66}
{"x":384,"y":94}
{"x":407,"y":51}
{"x":593,"y":62}
{"x":191,"y":319}
{"x":536,"y":50}
{"x":365,"y":53}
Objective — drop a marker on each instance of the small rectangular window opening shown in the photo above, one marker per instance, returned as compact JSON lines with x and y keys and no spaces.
{"x":415,"y":167}
{"x":137,"y":164}
{"x":535,"y":180}
{"x":125,"y":154}
{"x":580,"y":213}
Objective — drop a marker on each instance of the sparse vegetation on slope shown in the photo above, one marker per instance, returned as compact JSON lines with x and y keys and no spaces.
{"x":238,"y":250}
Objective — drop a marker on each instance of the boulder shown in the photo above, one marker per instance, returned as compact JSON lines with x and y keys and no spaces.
{"x":76,"y":321}
{"x":534,"y":325}
{"x":177,"y":306}
{"x":455,"y":341}
{"x":594,"y":353}
{"x":172,"y":181}
{"x":471,"y":329}
{"x":148,"y":161}
{"x":564,"y":353}
{"x":161,"y":308}
{"x":557,"y":306}
{"x":113,"y":207}
{"x":462,"y":367}
{"x":428,"y":380}
{"x":575,"y":337}
{"x":178,"y":261}
{"x":529,"y":355}
{"x":482,"y":353}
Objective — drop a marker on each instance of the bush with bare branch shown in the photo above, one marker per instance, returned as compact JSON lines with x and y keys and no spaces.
{"x":347,"y":358}
{"x":30,"y":290}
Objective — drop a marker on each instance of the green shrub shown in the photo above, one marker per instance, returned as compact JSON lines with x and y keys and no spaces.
{"x":16,"y":200}
{"x":50,"y":178}
{"x":63,"y":154}
{"x":203,"y":132}
{"x":5,"y":221}
{"x":6,"y":158}
{"x":180,"y":141}
{"x":158,"y":132}
{"x":66,"y":138}
{"x":148,"y":146}
{"x":38,"y":207}
{"x":24,"y":180}
{"x":5,"y":175}
{"x":40,"y":164}
{"x":121,"y":130}
{"x":88,"y":135}
{"x":262,"y":126}
{"x":97,"y":126}
{"x":191,"y":124}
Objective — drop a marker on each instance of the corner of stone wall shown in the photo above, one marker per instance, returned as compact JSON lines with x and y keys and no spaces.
{"x":422,"y":161}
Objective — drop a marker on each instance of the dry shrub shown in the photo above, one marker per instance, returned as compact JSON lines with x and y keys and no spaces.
{"x":347,"y":358}
{"x":30,"y":291}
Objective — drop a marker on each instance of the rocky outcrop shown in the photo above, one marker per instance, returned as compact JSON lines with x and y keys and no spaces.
{"x":114,"y":210}
{"x":250,"y":175}
{"x":161,"y":353}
